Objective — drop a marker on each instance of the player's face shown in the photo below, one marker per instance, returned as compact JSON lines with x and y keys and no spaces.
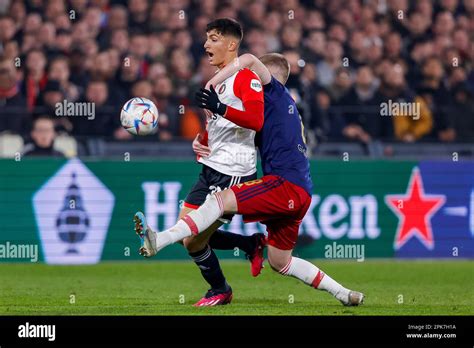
{"x":217,"y":47}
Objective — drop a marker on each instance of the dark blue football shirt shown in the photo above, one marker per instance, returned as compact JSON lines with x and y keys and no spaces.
{"x":281,"y":141}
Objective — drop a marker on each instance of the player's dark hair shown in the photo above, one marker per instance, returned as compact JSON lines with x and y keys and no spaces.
{"x":226,"y":26}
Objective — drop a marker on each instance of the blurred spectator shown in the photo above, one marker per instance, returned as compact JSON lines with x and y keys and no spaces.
{"x":405,"y":127}
{"x":7,"y":29}
{"x":139,"y":49}
{"x":117,"y":18}
{"x":127,"y":43}
{"x":357,"y":44}
{"x":361,"y":108}
{"x":272,"y":29}
{"x":138,"y":10}
{"x":254,"y":39}
{"x":332,"y":61}
{"x":35,"y":77}
{"x":393,"y":46}
{"x":315,"y":46}
{"x":181,"y":70}
{"x":59,"y":71}
{"x":410,"y":127}
{"x":42,"y":139}
{"x":291,"y":36}
{"x":49,"y":97}
{"x":325,"y":122}
{"x":47,"y":38}
{"x":167,"y":105}
{"x":461,"y":112}
{"x":341,"y":84}
{"x":63,"y":41}
{"x":14,"y":116}
{"x":439,"y":100}
{"x":105,"y":121}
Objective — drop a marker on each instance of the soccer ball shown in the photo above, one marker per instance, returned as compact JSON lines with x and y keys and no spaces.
{"x":139,"y":116}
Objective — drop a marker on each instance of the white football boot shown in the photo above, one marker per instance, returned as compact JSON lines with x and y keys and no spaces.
{"x":148,"y":247}
{"x":354,"y":298}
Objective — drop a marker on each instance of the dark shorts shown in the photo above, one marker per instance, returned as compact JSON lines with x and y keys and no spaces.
{"x":211,"y":181}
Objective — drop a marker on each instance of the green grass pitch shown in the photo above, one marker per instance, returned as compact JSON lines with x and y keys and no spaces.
{"x":160,"y":288}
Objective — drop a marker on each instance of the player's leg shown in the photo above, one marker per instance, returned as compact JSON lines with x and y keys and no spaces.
{"x":195,"y":222}
{"x":183,"y":212}
{"x":253,"y":246}
{"x":218,"y":204}
{"x":204,"y":257}
{"x":198,"y":246}
{"x":271,"y":197}
{"x":212,"y":181}
{"x":284,"y":263}
{"x":260,"y":197}
{"x":198,"y":249}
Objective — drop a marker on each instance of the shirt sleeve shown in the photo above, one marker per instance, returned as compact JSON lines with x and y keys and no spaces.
{"x":247,"y":86}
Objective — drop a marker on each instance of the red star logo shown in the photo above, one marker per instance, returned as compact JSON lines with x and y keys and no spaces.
{"x":414,"y":211}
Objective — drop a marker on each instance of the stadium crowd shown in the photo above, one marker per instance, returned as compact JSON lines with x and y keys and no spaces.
{"x":347,"y":57}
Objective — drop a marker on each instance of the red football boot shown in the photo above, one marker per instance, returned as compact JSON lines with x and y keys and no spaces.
{"x":215,"y":298}
{"x":256,"y":258}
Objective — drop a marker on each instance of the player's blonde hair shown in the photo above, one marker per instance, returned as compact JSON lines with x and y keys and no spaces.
{"x":278,"y":66}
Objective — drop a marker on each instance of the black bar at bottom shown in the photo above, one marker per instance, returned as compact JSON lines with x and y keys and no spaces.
{"x":292,"y":331}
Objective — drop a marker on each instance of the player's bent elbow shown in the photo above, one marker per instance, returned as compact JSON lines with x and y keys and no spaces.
{"x":248,"y":59}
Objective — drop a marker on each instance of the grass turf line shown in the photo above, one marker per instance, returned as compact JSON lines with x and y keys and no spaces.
{"x":426,"y":288}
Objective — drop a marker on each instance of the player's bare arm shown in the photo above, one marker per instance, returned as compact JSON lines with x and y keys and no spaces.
{"x":246,"y":60}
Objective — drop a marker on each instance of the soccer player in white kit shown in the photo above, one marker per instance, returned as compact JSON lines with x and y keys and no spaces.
{"x":228,"y":157}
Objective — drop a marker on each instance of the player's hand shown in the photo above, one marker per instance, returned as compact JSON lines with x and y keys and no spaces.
{"x":208,"y":99}
{"x":200,"y":149}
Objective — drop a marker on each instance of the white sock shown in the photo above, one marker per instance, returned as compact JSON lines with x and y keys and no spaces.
{"x":313,"y":276}
{"x":195,"y":222}
{"x":203,"y":217}
{"x":172,"y":235}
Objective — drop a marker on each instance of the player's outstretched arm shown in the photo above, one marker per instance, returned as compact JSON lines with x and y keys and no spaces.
{"x":246,"y":60}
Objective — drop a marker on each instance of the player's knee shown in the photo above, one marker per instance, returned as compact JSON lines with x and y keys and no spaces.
{"x":193,"y":245}
{"x":229,"y":201}
{"x":188,"y":243}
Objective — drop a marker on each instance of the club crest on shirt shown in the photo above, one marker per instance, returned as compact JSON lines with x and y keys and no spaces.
{"x":221,"y":89}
